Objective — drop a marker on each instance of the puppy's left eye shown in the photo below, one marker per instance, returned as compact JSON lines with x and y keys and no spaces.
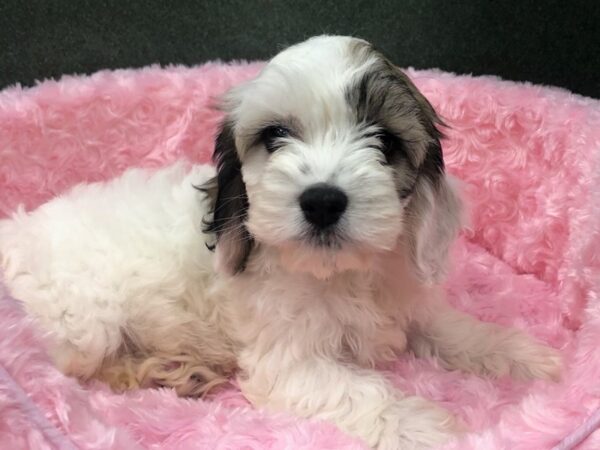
{"x":271,"y":137}
{"x":388,"y":141}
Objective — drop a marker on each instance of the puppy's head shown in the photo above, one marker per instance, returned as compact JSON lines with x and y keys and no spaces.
{"x":330,"y":156}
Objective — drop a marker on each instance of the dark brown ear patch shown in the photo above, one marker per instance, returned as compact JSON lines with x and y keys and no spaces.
{"x":384,"y":96}
{"x":229,"y":204}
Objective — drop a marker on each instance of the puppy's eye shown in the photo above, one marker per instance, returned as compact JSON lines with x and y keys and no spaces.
{"x":271,"y":137}
{"x":388,"y":140}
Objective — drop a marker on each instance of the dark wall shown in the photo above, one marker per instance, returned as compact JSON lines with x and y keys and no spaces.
{"x":549,"y":42}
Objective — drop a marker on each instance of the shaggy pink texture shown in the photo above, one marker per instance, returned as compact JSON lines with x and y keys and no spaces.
{"x":529,"y":158}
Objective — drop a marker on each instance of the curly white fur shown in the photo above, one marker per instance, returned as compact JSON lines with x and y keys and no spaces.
{"x":120,"y":275}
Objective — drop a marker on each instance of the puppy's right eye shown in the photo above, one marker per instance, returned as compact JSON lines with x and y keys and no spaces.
{"x":271,"y":137}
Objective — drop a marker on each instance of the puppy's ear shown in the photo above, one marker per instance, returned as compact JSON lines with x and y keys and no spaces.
{"x":229,"y":206}
{"x":434,"y":212}
{"x":433,"y":219}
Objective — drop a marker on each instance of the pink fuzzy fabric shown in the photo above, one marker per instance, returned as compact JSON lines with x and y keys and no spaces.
{"x":529,"y":158}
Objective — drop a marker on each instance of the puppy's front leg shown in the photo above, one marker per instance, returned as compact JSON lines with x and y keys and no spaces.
{"x":359,"y":401}
{"x":463,"y":342}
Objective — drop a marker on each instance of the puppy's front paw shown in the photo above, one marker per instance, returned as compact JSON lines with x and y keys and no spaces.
{"x":415,"y":423}
{"x":536,"y":361}
{"x":522,"y":358}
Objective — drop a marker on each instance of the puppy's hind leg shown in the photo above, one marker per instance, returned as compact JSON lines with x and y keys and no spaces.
{"x":175,"y":349}
{"x":184,"y":373}
{"x":462,"y":342}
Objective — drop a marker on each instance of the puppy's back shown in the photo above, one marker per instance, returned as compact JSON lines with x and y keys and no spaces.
{"x":86,"y":261}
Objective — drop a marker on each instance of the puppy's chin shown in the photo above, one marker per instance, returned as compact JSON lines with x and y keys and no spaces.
{"x":323,"y":263}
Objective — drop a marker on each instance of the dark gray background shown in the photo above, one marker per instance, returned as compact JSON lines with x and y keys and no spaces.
{"x":549,"y":42}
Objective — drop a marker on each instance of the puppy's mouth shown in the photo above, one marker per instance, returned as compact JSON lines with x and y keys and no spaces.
{"x":327,"y":239}
{"x":323,"y":253}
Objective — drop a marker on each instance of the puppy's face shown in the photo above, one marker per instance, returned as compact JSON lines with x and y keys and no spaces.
{"x":321,"y":158}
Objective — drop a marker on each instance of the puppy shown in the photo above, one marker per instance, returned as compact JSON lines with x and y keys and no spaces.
{"x":330,"y":216}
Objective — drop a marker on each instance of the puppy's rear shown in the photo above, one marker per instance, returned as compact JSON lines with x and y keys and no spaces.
{"x":110,"y":269}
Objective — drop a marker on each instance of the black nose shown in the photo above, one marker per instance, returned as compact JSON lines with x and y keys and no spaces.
{"x":323,"y":205}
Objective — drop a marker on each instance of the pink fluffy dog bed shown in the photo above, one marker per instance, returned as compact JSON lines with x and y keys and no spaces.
{"x":530,"y":161}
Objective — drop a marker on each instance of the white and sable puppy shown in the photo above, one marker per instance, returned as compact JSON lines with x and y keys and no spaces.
{"x":330,"y":215}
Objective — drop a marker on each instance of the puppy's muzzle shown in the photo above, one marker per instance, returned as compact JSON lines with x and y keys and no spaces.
{"x":323,"y":205}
